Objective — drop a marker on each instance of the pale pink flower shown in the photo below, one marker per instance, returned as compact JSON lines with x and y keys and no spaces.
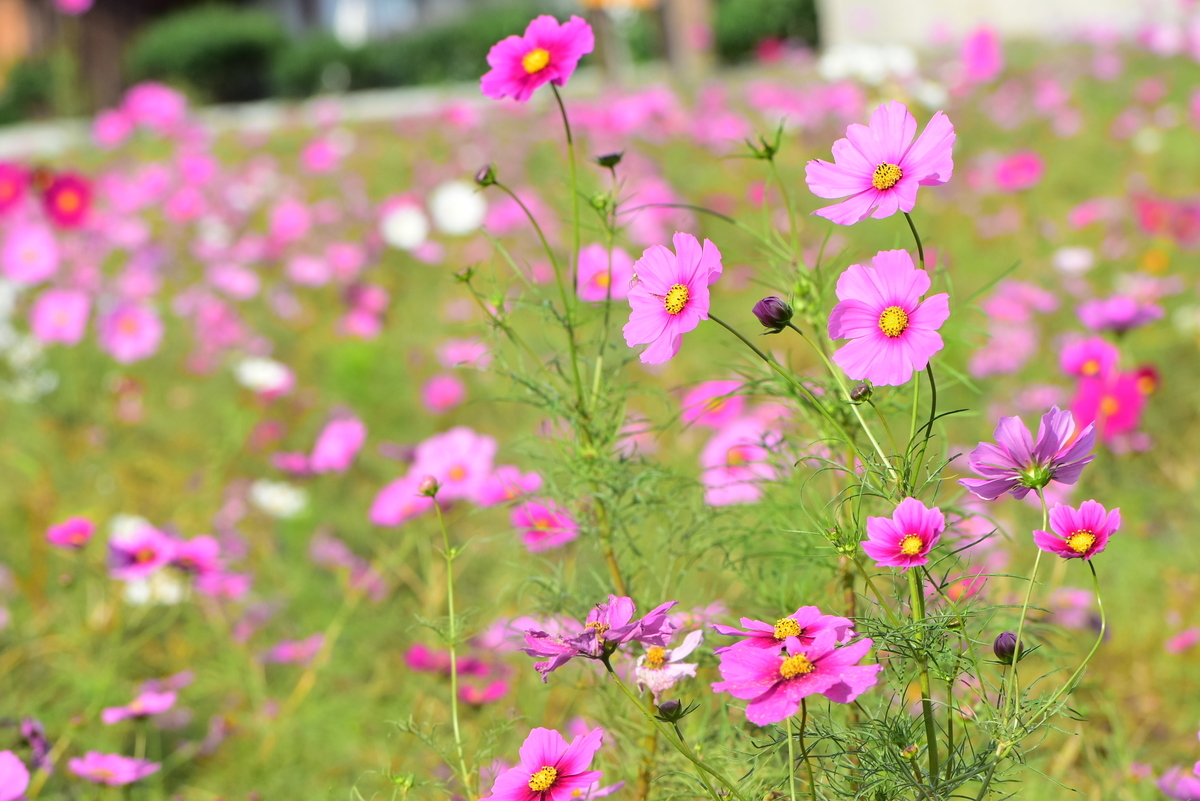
{"x":60,"y":315}
{"x":130,"y":332}
{"x":337,"y":445}
{"x":715,"y":404}
{"x":442,"y":393}
{"x":543,"y":525}
{"x":146,"y":704}
{"x":113,"y":770}
{"x":598,"y":279}
{"x":30,"y":254}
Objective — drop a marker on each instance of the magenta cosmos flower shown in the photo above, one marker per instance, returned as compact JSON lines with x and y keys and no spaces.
{"x":14,"y":776}
{"x":13,"y":180}
{"x":547,"y":52}
{"x":337,"y":445}
{"x":549,"y":769}
{"x":139,"y":553}
{"x":905,"y":539}
{"x":803,"y":625}
{"x":894,"y":332}
{"x":879,"y":166}
{"x":507,"y":483}
{"x":147,"y":704}
{"x":1118,"y":313}
{"x":670,"y":295}
{"x":199,"y":556}
{"x":111,"y":769}
{"x":543,"y":525}
{"x":72,"y":533}
{"x":1181,"y":786}
{"x":775,"y":683}
{"x":131,"y":332}
{"x":608,"y":626}
{"x":67,"y":200}
{"x":1078,"y":533}
{"x":1018,"y":464}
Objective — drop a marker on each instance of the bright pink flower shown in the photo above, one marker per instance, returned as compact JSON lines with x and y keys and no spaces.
{"x":1011,"y":346}
{"x":399,"y":502}
{"x":670,"y":296}
{"x":1119,"y":313}
{"x":67,"y":200}
{"x":309,"y":270}
{"x":1183,"y":641}
{"x":1017,"y":464}
{"x":199,"y":556}
{"x":1081,"y":533}
{"x":72,"y":533}
{"x":905,"y":539}
{"x":610,"y":622}
{"x":547,"y":52}
{"x":550,"y":770}
{"x":73,"y":7}
{"x":60,"y":315}
{"x":30,"y":253}
{"x":596,"y":281}
{"x":1022,"y":170}
{"x":337,"y":445}
{"x":111,"y":128}
{"x":155,"y":106}
{"x":236,"y":281}
{"x":1089,"y":358}
{"x":111,"y":769}
{"x":804,"y":624}
{"x":880,"y":166}
{"x":1179,"y":785}
{"x":186,"y":205}
{"x":460,"y":459}
{"x":982,"y":56}
{"x":346,"y":258}
{"x":14,"y":180}
{"x":130,"y":332}
{"x":295,"y":652}
{"x":320,"y":156}
{"x":774,"y":683}
{"x":543,"y":525}
{"x":145,"y":705}
{"x":469,"y":693}
{"x":14,"y":777}
{"x":289,"y":221}
{"x":442,"y":393}
{"x":464,"y":353}
{"x":894,"y":332}
{"x":139,"y":553}
{"x":736,"y":462}
{"x":507,"y":483}
{"x":660,"y":669}
{"x":1112,"y":403}
{"x":713,"y":403}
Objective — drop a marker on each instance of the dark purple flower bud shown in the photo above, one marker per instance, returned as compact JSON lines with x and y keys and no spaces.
{"x":1006,"y":650}
{"x":773,"y":313}
{"x":861,"y":393}
{"x":610,"y":160}
{"x":428,"y":487}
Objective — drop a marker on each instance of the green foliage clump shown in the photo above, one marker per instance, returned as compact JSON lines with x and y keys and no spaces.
{"x":739,"y":25}
{"x":221,"y":52}
{"x":28,"y":91}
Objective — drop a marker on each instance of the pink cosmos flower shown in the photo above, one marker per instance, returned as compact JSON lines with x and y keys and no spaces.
{"x":543,"y":525}
{"x":478,"y":695}
{"x":138,"y":553}
{"x":229,"y":586}
{"x":1019,"y":171}
{"x":982,"y":56}
{"x":13,"y":181}
{"x":804,"y":625}
{"x":547,"y":52}
{"x":1087,"y":358}
{"x":880,"y":166}
{"x":309,"y":270}
{"x":894,"y":332}
{"x":67,"y":200}
{"x":73,"y":533}
{"x":774,"y":683}
{"x":1119,"y":313}
{"x":1113,"y":403}
{"x":145,"y":705}
{"x":660,"y":669}
{"x":460,"y":459}
{"x":295,"y":652}
{"x":399,"y":502}
{"x":1081,"y":533}
{"x":905,"y":539}
{"x":713,"y":403}
{"x":111,"y":128}
{"x":320,"y":156}
{"x":597,"y":282}
{"x":464,"y":353}
{"x":736,"y":462}
{"x":337,"y":445}
{"x":30,"y":254}
{"x":442,"y":393}
{"x":1183,"y":641}
{"x":1017,"y":464}
{"x":1179,"y":785}
{"x":199,"y":556}
{"x":290,"y":220}
{"x":611,"y":622}
{"x":550,"y":770}
{"x":670,"y":295}
{"x":14,"y":777}
{"x":130,"y":332}
{"x":507,"y":483}
{"x":60,"y":315}
{"x":111,"y":769}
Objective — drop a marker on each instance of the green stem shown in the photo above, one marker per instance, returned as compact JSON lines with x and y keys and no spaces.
{"x":886,"y":426}
{"x":574,"y":184}
{"x":452,"y":636}
{"x":987,"y":780}
{"x":916,"y":236}
{"x":791,"y":210}
{"x":703,"y":779}
{"x":929,"y":425}
{"x":875,"y":591}
{"x":917,"y":603}
{"x":791,"y":761}
{"x":812,"y":782}
{"x":1012,"y":683}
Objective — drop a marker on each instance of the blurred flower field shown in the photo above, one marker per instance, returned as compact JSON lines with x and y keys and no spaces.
{"x":229,"y":363}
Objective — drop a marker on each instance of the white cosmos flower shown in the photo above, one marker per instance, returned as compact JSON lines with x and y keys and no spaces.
{"x":278,"y":498}
{"x":1074,"y":260}
{"x":457,"y":207}
{"x":263,"y":375}
{"x":404,"y":227}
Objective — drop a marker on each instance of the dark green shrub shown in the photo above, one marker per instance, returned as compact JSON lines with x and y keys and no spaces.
{"x":28,"y":91}
{"x":741,"y":24}
{"x":222,"y":52}
{"x":321,"y":63}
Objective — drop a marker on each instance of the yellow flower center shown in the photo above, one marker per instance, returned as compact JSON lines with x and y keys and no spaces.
{"x":911,"y":545}
{"x":1146,"y":385}
{"x":1109,"y":406}
{"x":886,"y":176}
{"x":796,"y":665}
{"x":786,"y":627}
{"x":544,"y":779}
{"x":536,"y":60}
{"x":598,"y":626}
{"x":458,"y":473}
{"x":1081,"y":541}
{"x":144,"y":555}
{"x":676,"y":299}
{"x":1090,"y":367}
{"x":893,"y":321}
{"x":602,"y":279}
{"x":656,"y":657}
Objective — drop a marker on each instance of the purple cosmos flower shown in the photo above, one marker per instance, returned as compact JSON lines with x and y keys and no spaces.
{"x":1181,"y":786}
{"x":139,"y":553}
{"x":803,"y":625}
{"x":146,"y":704}
{"x":879,"y":166}
{"x":548,"y":52}
{"x":34,"y":734}
{"x":14,"y":776}
{"x":670,"y":296}
{"x":775,"y":683}
{"x":905,"y":539}
{"x":111,"y":769}
{"x":1018,"y":464}
{"x":1118,"y":313}
{"x":1081,"y":533}
{"x":550,"y":770}
{"x":894,"y":332}
{"x":659,"y":669}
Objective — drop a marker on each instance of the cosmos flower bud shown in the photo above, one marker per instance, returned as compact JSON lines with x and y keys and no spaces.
{"x":910,"y":752}
{"x":610,"y":160}
{"x":428,"y":487}
{"x":773,"y":313}
{"x":861,"y":393}
{"x":486,"y":176}
{"x":1005,"y":648}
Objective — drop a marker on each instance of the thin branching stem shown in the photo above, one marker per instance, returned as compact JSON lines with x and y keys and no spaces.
{"x":452,"y":637}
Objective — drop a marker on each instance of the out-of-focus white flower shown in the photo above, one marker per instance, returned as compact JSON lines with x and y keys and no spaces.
{"x":1074,"y":260}
{"x":278,"y":498}
{"x":263,"y":375}
{"x":1148,"y":141}
{"x":164,"y":587}
{"x":122,"y":525}
{"x":931,"y":94}
{"x":457,"y":207}
{"x":869,"y":63}
{"x":404,"y":226}
{"x":1187,"y":319}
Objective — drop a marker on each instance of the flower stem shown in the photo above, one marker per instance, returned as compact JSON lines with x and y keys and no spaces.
{"x":916,"y":236}
{"x":791,"y":761}
{"x":452,"y":636}
{"x":791,"y":210}
{"x":917,"y":603}
{"x":610,"y":557}
{"x":574,"y":183}
{"x":812,"y":782}
{"x":1012,"y":683}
